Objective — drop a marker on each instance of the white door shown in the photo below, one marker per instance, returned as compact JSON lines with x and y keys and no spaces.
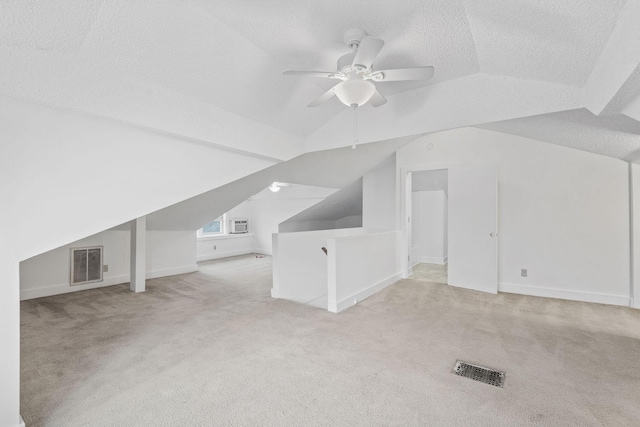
{"x":473,"y":226}
{"x":409,"y":223}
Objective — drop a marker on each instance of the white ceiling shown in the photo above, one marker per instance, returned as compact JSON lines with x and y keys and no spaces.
{"x":345,"y":202}
{"x":192,"y":67}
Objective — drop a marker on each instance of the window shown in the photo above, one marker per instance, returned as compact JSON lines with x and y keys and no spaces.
{"x":215,"y":227}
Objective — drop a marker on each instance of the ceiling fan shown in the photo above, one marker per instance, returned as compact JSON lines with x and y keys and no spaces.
{"x":357,"y":74}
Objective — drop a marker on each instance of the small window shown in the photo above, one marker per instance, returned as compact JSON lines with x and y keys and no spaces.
{"x":217,"y":226}
{"x":86,"y":265}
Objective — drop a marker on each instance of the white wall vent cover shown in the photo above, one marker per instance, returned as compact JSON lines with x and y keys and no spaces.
{"x":86,"y":265}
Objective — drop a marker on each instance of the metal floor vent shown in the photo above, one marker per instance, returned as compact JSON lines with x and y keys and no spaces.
{"x":480,"y":373}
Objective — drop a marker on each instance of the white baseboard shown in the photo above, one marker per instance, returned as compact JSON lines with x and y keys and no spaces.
{"x":337,"y":307}
{"x":170,"y":271}
{"x":21,"y":422}
{"x":565,"y":294}
{"x":218,"y":255}
{"x":263,"y":251}
{"x":48,"y":291}
{"x":275,"y":293}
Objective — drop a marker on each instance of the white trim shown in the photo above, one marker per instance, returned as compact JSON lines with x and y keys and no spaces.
{"x":66,"y":288}
{"x":21,"y":424}
{"x":224,"y":236}
{"x":218,"y":255}
{"x":566,"y":294}
{"x":275,"y":293}
{"x":363,"y":294}
{"x":48,"y":291}
{"x":263,"y":251}
{"x":171,"y":271}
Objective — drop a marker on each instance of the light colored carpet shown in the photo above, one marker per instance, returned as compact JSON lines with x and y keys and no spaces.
{"x":434,"y":273}
{"x":212,"y":348}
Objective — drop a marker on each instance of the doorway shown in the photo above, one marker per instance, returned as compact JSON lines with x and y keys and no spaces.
{"x":429,"y":239}
{"x":471,"y":215}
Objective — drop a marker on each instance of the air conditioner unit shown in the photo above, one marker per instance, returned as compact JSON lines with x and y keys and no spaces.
{"x":238,"y":226}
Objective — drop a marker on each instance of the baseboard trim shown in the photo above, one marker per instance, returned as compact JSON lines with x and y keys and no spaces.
{"x":22,"y":424}
{"x":218,"y":255}
{"x":262,"y":251}
{"x":565,"y":294}
{"x":275,"y":293}
{"x":109,"y":281}
{"x":66,"y":288}
{"x":170,"y":271}
{"x":337,"y":307}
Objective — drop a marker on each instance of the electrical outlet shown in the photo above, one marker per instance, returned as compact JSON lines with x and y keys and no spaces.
{"x":214,"y":247}
{"x":105,"y":268}
{"x":523,"y":272}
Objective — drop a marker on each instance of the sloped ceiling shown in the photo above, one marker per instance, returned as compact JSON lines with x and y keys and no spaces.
{"x":335,"y":168}
{"x":212,"y":70}
{"x":345,"y":202}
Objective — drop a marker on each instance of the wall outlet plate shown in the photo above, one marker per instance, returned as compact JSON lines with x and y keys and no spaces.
{"x":523,"y":272}
{"x":105,"y":268}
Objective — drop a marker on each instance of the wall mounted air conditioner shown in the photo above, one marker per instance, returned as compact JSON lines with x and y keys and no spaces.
{"x":238,"y":226}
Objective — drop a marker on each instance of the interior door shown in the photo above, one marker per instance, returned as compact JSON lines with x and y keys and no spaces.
{"x":473,"y":226}
{"x":409,"y":223}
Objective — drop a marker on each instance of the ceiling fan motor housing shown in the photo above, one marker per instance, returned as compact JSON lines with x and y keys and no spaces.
{"x":345,"y":62}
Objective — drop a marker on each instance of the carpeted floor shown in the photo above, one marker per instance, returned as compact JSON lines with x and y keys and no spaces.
{"x":212,"y":348}
{"x":434,"y":273}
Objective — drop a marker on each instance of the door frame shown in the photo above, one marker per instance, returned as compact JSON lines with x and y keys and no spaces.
{"x":405,"y":212}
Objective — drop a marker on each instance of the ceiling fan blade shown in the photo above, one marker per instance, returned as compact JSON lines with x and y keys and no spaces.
{"x":418,"y":73}
{"x":322,"y":74}
{"x":377,"y":99}
{"x":367,"y":51}
{"x":322,"y":98}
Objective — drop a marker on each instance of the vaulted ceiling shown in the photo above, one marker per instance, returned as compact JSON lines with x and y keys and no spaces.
{"x":565,"y":72}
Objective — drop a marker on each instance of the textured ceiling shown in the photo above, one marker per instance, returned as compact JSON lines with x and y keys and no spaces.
{"x":199,"y":68}
{"x":615,"y":136}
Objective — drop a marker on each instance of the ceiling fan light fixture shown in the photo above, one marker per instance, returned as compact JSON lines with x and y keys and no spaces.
{"x":274,"y":187}
{"x":354,"y":91}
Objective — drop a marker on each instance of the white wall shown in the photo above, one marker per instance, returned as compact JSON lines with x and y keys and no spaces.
{"x":429,"y":227}
{"x":168,"y":253}
{"x":266,"y":214}
{"x":300,"y":265}
{"x":359,"y":266}
{"x":351,"y":221}
{"x":214,"y":247}
{"x":563,"y":213}
{"x":224,"y":246}
{"x":379,"y":197}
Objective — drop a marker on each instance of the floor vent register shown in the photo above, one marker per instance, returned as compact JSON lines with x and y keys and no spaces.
{"x":480,"y":373}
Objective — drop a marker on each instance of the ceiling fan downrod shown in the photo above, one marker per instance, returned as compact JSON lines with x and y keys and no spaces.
{"x":355,"y":125}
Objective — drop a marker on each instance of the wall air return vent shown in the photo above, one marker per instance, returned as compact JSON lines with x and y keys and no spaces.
{"x":86,"y":265}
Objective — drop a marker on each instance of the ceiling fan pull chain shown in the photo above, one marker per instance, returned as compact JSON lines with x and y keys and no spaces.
{"x":355,"y":125}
